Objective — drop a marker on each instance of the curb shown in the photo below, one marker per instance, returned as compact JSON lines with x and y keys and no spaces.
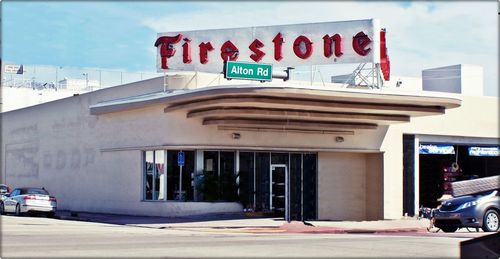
{"x":292,"y":227}
{"x":74,"y":218}
{"x":299,"y":227}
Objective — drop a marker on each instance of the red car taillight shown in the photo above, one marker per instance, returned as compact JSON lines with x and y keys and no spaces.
{"x":53,"y":199}
{"x":29,"y":197}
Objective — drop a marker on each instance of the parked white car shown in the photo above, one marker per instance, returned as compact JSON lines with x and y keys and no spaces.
{"x":29,"y":200}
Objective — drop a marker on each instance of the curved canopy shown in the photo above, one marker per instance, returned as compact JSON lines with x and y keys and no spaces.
{"x":255,"y":107}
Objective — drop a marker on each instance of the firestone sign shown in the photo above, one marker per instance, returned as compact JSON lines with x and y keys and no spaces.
{"x":360,"y":41}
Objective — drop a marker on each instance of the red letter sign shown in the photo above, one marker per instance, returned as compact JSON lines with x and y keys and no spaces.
{"x":256,"y":44}
{"x":228,"y":51}
{"x":385,"y":63}
{"x":204,"y":49}
{"x":304,"y":42}
{"x":327,"y":46}
{"x":166,"y":49}
{"x":186,"y":51}
{"x":359,"y":43}
{"x":278,"y":43}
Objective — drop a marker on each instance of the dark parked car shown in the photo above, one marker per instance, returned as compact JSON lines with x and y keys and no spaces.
{"x":477,"y":211}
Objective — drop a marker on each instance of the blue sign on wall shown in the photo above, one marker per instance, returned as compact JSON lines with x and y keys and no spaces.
{"x":484,"y":151}
{"x":430,"y":149}
{"x":180,"y":158}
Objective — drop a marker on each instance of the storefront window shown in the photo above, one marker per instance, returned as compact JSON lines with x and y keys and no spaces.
{"x":279,"y":158}
{"x":154,"y":179}
{"x":174,"y":178}
{"x":246,"y":180}
{"x":262,"y":170}
{"x":209,"y":185}
{"x":295,"y":186}
{"x":309,"y":185}
{"x":219,"y":179}
{"x":162,"y":175}
{"x":149,"y":172}
{"x":222,"y":180}
{"x":159,"y":191}
{"x":228,"y":179}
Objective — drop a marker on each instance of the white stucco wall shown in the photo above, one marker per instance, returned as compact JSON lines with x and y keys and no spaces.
{"x":349,"y":186}
{"x":374,"y":186}
{"x":341,"y":186}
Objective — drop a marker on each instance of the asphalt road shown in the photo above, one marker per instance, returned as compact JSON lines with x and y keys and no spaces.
{"x":45,"y":237}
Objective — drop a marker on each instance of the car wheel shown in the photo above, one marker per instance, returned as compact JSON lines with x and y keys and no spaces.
{"x":490,"y":221}
{"x":18,"y":210}
{"x":2,"y":208}
{"x":449,"y":229}
{"x":51,"y":214}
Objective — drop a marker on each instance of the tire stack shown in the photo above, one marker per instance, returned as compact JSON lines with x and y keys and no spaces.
{"x":450,"y":175}
{"x":468,"y":187}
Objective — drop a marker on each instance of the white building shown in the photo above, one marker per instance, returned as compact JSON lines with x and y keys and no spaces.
{"x":195,"y":143}
{"x":343,"y":148}
{"x":16,"y":98}
{"x":78,"y":84}
{"x":465,"y":79}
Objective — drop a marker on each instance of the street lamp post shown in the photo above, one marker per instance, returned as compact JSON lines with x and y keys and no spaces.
{"x":87,"y":81}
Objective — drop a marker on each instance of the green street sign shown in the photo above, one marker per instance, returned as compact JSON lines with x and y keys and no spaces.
{"x":248,"y":71}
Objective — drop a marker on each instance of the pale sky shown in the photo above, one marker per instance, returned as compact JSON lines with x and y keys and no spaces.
{"x":121,"y":35}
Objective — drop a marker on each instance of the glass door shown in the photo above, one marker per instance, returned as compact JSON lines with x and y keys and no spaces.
{"x":279,"y":190}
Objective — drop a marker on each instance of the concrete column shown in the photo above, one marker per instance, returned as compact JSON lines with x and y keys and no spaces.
{"x":416,"y":174}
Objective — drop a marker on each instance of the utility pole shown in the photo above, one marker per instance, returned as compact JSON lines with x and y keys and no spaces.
{"x":87,"y":81}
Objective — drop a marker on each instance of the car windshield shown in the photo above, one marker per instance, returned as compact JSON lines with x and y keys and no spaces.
{"x":34,"y":191}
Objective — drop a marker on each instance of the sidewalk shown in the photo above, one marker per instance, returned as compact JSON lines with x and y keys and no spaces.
{"x":238,"y":222}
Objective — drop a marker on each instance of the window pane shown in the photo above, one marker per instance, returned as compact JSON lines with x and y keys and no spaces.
{"x":159,"y":175}
{"x":295,"y":172}
{"x":188,"y":175}
{"x":210,"y":186}
{"x":173,"y":175}
{"x":246,"y":175}
{"x":262,"y":181}
{"x":149,"y":175}
{"x":210,"y":160}
{"x":309,"y":185}
{"x":279,"y":158}
{"x":227,"y":187}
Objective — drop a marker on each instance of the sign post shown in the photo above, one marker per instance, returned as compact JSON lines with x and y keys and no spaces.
{"x":180,"y":163}
{"x":248,"y":71}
